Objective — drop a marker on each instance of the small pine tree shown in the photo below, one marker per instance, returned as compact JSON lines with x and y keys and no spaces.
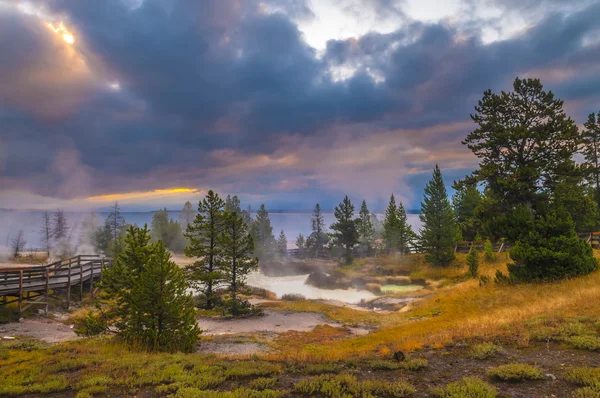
{"x":473,"y":262}
{"x":115,"y":220}
{"x":119,"y":279}
{"x":490,"y":255}
{"x":300,"y":242}
{"x":439,"y":232}
{"x":365,"y":229}
{"x":590,"y":138}
{"x":236,"y":260}
{"x":318,"y":237}
{"x":205,"y":246}
{"x":345,"y":231}
{"x":161,"y":313}
{"x":18,"y":243}
{"x":282,"y":245}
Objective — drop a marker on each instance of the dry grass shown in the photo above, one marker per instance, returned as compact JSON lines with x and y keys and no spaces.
{"x":460,"y":311}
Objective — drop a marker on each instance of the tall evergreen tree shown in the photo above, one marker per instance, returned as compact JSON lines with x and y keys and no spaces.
{"x":187,"y":215}
{"x":60,"y":228}
{"x":391,"y":226}
{"x":247,"y":216}
{"x":300,"y":242}
{"x":162,"y":313}
{"x":344,"y":229}
{"x":590,"y":138}
{"x":282,"y":245}
{"x":439,"y":231}
{"x":205,"y":246}
{"x":405,"y":234}
{"x":236,"y":258}
{"x":46,"y":232}
{"x":525,"y":143}
{"x":365,"y":229}
{"x":168,"y":231}
{"x":262,"y":233}
{"x":318,"y":238}
{"x":115,"y":220}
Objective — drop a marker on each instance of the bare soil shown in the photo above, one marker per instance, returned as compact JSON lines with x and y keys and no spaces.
{"x":42,"y":329}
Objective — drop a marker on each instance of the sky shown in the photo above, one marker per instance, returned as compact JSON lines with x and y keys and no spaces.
{"x":283,"y":102}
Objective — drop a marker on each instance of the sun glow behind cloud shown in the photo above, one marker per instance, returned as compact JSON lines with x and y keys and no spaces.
{"x":162,"y":194}
{"x":62,"y":31}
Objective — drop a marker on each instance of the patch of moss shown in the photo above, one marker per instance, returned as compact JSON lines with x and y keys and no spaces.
{"x":468,"y":387}
{"x":515,"y":372}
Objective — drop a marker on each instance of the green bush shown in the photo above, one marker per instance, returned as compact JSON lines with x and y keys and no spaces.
{"x":468,"y":387}
{"x":515,"y":372}
{"x":91,"y":324}
{"x":484,"y":350}
{"x":551,"y":250}
{"x":263,"y":383}
{"x":584,"y":376}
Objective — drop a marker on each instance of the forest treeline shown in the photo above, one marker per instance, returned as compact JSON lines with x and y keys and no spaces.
{"x":528,"y":191}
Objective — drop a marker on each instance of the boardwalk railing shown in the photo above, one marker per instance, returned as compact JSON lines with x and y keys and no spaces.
{"x":33,"y":285}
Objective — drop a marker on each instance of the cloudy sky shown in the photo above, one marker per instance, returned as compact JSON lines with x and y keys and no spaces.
{"x":286,"y":102}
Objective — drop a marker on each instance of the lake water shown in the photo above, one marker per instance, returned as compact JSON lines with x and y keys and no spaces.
{"x":30,"y":221}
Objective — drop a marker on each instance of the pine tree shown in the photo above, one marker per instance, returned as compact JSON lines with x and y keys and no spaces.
{"x":365,"y":229}
{"x":590,"y":138}
{"x":187,"y":215}
{"x":282,"y":245}
{"x":405,"y":234}
{"x":318,"y":237}
{"x":473,"y":262}
{"x":345,"y":231}
{"x":439,"y":231}
{"x":46,"y":232}
{"x":391,"y":226}
{"x":161,"y":312}
{"x":465,"y":201}
{"x":115,"y":220}
{"x":205,"y":246}
{"x":262,"y":233}
{"x":236,"y":260}
{"x":60,"y":228}
{"x":118,"y":280}
{"x":300,"y":242}
{"x":168,"y":231}
{"x":233,"y":204}
{"x":247,"y":216}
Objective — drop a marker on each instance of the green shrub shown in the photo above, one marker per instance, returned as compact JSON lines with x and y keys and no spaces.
{"x":489,"y":254}
{"x":251,"y":369}
{"x":293,"y":297}
{"x":587,"y":392}
{"x":263,"y":383}
{"x":346,"y":385}
{"x":515,"y":372}
{"x":551,"y":250}
{"x":473,"y":262}
{"x":584,"y":376}
{"x":484,"y":350}
{"x":468,"y":387}
{"x":588,"y":343}
{"x":415,"y":364}
{"x":91,"y":324}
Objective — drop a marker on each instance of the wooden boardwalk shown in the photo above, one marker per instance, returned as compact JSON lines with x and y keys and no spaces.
{"x":29,"y":286}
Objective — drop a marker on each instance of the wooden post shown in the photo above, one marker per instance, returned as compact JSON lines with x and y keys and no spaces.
{"x":80,"y":278}
{"x":69,"y":287}
{"x":20,"y":292}
{"x":92,"y":282}
{"x":47,"y":282}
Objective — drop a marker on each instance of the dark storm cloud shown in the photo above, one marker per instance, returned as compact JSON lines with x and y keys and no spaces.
{"x":197,"y":77}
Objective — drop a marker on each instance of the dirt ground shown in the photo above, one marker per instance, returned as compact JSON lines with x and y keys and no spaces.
{"x":271,"y":321}
{"x":42,"y":329}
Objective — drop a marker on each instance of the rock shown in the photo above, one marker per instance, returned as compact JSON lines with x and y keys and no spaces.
{"x":9,"y":338}
{"x":399,"y":356}
{"x":550,"y":376}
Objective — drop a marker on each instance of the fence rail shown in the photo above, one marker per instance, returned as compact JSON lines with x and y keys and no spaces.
{"x":33,"y":285}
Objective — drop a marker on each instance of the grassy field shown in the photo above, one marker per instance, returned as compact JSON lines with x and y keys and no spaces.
{"x":461,"y":339}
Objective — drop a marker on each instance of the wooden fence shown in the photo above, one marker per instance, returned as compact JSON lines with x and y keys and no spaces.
{"x":34,"y":285}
